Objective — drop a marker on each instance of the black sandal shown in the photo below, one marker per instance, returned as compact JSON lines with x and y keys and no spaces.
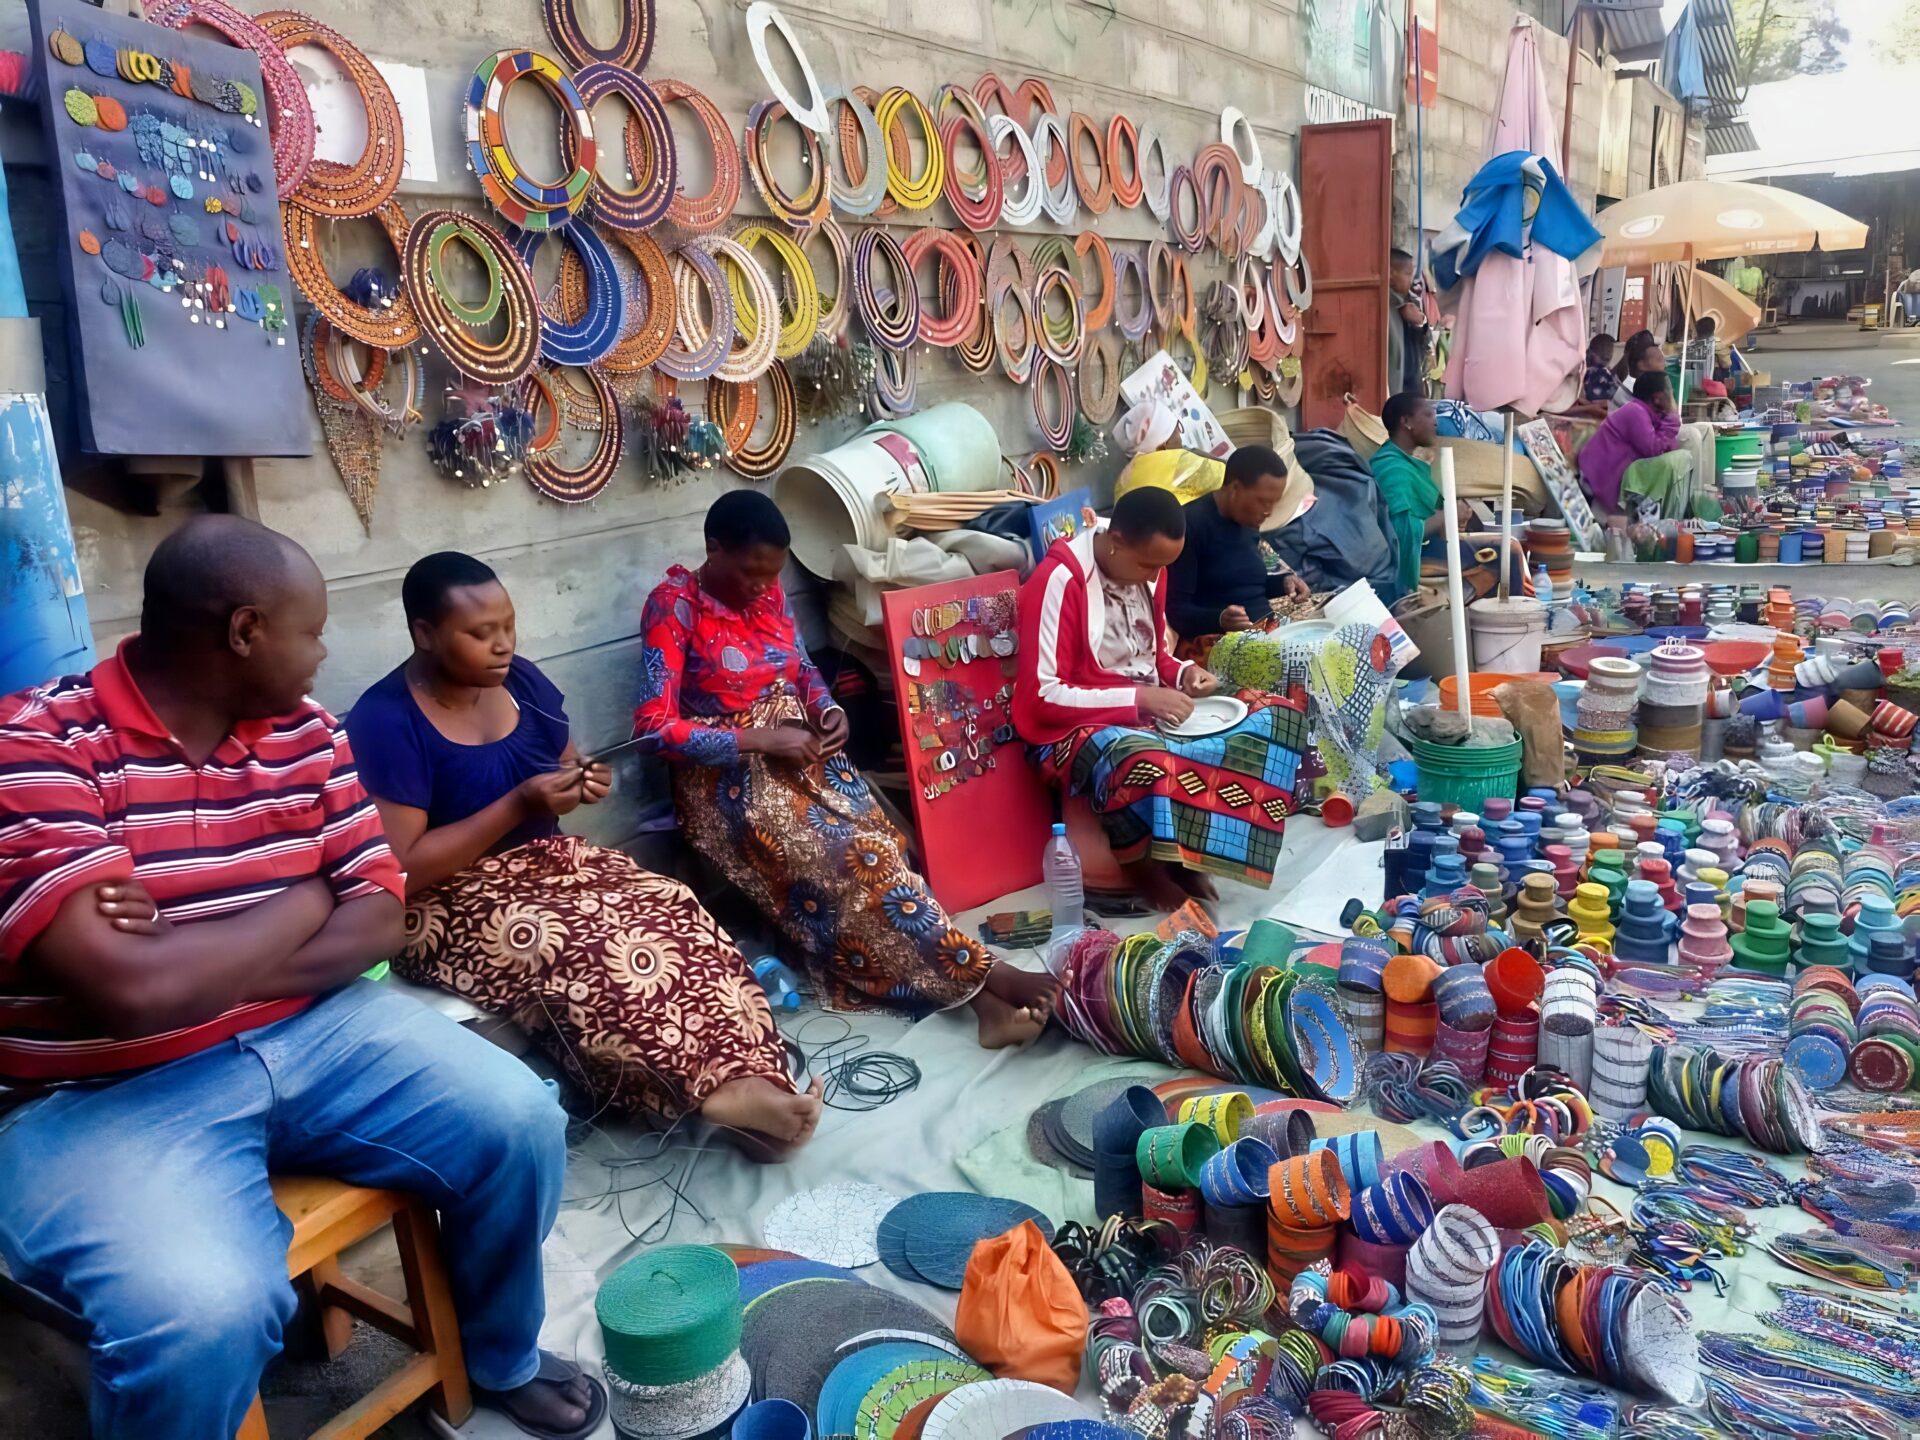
{"x":560,"y":1371}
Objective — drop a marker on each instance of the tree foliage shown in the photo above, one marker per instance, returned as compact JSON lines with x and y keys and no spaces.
{"x":1782,"y":38}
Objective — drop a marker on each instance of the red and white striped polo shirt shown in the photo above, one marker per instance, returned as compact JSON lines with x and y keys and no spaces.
{"x":93,"y":789}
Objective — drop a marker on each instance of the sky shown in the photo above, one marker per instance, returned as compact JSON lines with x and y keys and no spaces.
{"x":1864,"y":18}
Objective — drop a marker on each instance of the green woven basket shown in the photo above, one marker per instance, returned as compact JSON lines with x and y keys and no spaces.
{"x":670,"y":1315}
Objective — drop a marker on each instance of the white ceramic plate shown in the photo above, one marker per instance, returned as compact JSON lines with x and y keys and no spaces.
{"x":1211,"y":715}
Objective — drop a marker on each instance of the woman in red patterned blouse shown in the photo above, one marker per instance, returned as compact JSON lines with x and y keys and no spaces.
{"x":767,"y":794}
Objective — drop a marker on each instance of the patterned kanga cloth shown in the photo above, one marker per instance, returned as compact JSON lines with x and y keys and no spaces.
{"x":813,"y":850}
{"x":1218,"y":804}
{"x":617,"y":973}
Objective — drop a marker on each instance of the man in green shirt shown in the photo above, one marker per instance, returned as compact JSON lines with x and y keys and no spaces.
{"x":1407,"y":483}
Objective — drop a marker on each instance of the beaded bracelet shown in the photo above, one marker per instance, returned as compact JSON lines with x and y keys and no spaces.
{"x":1162,"y":299}
{"x":1216,"y":181}
{"x":892,"y":322}
{"x":976,"y":197}
{"x":910,"y":191}
{"x":390,"y":324}
{"x":1058,"y":196}
{"x":524,"y":202}
{"x":1157,"y":194}
{"x":1133,"y":320}
{"x":1056,"y":429}
{"x":833,"y":303}
{"x":591,"y":336}
{"x":864,"y":187}
{"x":447,"y":322}
{"x":647,"y":143}
{"x":696,"y":353}
{"x":757,"y":335}
{"x":632,"y":46}
{"x":1091,"y":242}
{"x":331,"y":188}
{"x":809,"y":206}
{"x":756,"y":462}
{"x":1099,"y":377}
{"x":1023,"y":164}
{"x":1032,"y":99}
{"x":1127,"y":187}
{"x":731,"y":405}
{"x":961,"y":300}
{"x":572,"y":486}
{"x":976,"y":349}
{"x":1060,"y":339}
{"x":1181,"y":185}
{"x":798,"y":288}
{"x":1096,"y":196}
{"x":698,"y":214}
{"x":650,"y":312}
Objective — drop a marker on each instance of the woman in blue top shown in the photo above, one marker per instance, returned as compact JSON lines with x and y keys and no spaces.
{"x":621,"y":975}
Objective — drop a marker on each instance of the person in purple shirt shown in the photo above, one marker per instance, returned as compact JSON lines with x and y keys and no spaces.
{"x":1646,"y":426}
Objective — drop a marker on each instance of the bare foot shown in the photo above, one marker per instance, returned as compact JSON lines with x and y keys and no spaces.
{"x":1003,"y":1024}
{"x":766,"y":1121}
{"x":1033,"y":990}
{"x":1153,"y":882}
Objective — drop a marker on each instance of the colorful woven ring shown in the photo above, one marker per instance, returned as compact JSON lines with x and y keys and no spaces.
{"x":1309,"y":1189}
{"x":1358,"y":1154}
{"x":1170,"y":1156}
{"x":526,"y":202}
{"x":1397,"y":1211}
{"x":1225,"y":1114}
{"x":650,"y":153}
{"x":1237,"y":1175}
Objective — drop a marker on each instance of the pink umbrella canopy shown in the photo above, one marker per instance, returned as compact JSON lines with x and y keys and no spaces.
{"x":1519,"y":327}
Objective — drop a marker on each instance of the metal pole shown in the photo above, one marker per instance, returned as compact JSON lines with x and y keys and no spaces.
{"x":1506,"y":506}
{"x":1456,"y":588}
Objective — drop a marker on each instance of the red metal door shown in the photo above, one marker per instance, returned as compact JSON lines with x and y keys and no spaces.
{"x":1346,"y":202}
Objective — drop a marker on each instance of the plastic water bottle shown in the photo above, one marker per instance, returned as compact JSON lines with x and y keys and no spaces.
{"x":1543,"y":586}
{"x":1061,"y":868}
{"x":780,"y":983}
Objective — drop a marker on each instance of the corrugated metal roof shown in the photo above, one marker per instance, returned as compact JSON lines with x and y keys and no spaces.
{"x":1733,"y":139}
{"x":1629,"y":25}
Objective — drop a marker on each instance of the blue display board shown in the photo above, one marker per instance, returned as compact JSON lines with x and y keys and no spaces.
{"x":179,"y":305}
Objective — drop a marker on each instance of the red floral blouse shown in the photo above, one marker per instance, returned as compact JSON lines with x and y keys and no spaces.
{"x":702,"y":659}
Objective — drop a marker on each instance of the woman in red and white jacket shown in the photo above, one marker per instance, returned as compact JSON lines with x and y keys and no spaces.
{"x":1097,"y":680}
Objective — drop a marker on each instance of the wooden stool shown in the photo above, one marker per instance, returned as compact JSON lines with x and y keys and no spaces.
{"x":328,"y":1216}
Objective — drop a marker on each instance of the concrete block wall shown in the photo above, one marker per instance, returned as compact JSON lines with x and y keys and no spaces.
{"x":579,"y":574}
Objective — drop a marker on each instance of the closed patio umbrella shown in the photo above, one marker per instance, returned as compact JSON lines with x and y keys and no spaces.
{"x":1733,"y":313}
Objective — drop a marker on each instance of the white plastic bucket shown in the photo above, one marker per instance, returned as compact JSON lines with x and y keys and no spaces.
{"x":834,"y":499}
{"x":1507,"y":634}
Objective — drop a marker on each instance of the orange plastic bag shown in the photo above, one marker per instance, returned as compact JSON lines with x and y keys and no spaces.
{"x":1020,"y":1314}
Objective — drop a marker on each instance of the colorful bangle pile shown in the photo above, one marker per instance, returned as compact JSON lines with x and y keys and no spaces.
{"x":699,"y":214}
{"x":647,"y":145}
{"x":448,"y":322}
{"x":1361,"y":1316}
{"x":591,"y":335}
{"x":575,"y":485}
{"x":330,"y":187}
{"x":525,"y":202}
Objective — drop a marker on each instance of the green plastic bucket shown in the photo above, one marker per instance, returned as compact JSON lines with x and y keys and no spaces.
{"x":1727,"y":447}
{"x":1466,"y":776}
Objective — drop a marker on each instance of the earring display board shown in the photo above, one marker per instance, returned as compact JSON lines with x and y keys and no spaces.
{"x":981,"y":808}
{"x":178,"y":299}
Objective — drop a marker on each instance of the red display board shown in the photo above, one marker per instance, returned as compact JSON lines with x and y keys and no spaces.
{"x":983,"y":818}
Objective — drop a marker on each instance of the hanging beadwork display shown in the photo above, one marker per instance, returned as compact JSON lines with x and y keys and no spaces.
{"x":174,"y":267}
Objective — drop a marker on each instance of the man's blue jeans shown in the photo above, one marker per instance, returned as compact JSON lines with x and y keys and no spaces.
{"x":145,"y":1206}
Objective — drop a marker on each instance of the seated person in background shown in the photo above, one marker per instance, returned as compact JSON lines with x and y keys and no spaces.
{"x":620,"y":975}
{"x":1150,"y":434}
{"x":1412,"y":495}
{"x":1221,"y":581}
{"x":765,"y":793}
{"x":1642,"y":356}
{"x":1095,"y":682}
{"x":191,"y":879}
{"x":1644,"y":429}
{"x":1599,"y":384}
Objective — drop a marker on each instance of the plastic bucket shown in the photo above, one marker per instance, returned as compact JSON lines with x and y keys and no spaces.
{"x":1507,"y":634}
{"x":834,"y":498}
{"x":958,"y":447}
{"x":1466,"y":776}
{"x":1726,"y":447}
{"x":1480,"y":688}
